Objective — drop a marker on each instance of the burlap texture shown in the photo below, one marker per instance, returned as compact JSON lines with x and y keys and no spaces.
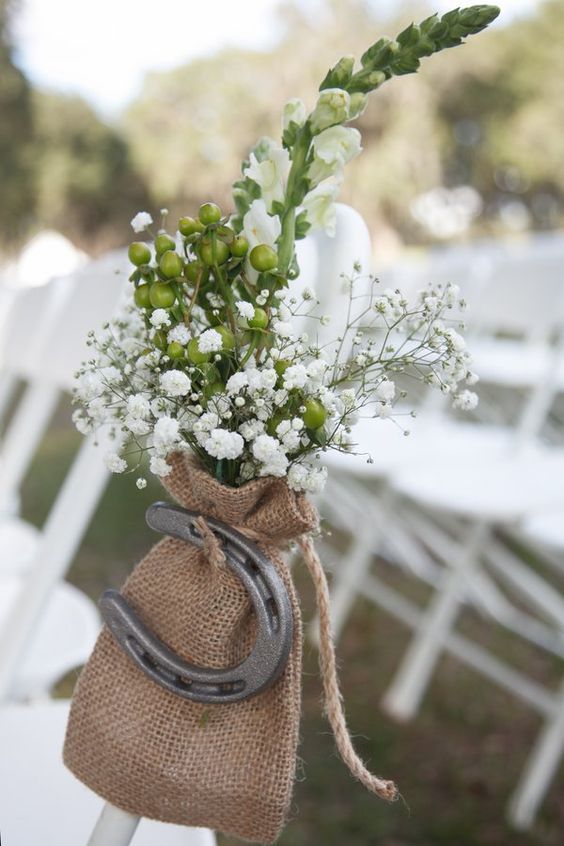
{"x":226,"y":767}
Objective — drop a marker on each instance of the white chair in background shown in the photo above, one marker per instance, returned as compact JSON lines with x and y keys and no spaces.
{"x":500,"y":496}
{"x":32,"y":563}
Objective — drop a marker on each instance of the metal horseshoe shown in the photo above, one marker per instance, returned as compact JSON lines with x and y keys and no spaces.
{"x":270,"y":601}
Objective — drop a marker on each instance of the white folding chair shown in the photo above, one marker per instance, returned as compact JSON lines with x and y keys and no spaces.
{"x":32,"y":562}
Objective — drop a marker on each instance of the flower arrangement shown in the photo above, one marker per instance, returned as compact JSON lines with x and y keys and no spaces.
{"x":207,"y":353}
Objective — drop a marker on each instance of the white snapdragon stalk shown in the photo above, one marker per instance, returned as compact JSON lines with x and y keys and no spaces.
{"x":205,"y":354}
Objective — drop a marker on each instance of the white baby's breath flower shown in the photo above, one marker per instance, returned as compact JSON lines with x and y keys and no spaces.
{"x":180,"y":334}
{"x":295,"y":376}
{"x":236,"y":383}
{"x":174,"y":383}
{"x":166,"y":433}
{"x":210,"y":341}
{"x":114,"y":462}
{"x":385,"y":391}
{"x":141,"y":483}
{"x":158,"y":466}
{"x":269,"y":452}
{"x":465,"y":401}
{"x":245,"y":310}
{"x":159,"y":318}
{"x":224,"y":444}
{"x":141,"y":221}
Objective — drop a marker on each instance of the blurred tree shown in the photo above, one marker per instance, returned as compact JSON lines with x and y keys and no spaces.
{"x":86,"y":185}
{"x":490,"y":115}
{"x":16,"y":130}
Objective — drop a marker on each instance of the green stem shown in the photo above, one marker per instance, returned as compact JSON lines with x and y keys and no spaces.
{"x":288,"y":234}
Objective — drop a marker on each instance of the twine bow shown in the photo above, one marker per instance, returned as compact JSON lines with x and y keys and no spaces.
{"x":327,"y":660}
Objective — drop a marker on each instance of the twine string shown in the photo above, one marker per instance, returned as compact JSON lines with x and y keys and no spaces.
{"x":327,"y":660}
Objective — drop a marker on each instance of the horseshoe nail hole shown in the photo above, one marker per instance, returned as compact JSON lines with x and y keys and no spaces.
{"x":273,"y":613}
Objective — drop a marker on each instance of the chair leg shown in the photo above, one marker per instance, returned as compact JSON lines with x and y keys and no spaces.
{"x":539,"y":769}
{"x":404,"y":695}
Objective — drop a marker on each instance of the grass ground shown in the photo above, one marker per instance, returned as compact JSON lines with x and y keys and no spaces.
{"x":456,"y":763}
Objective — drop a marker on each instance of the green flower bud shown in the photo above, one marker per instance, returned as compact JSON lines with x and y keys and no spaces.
{"x":142,"y":296}
{"x":192,"y":270}
{"x":259,"y":320}
{"x":281,"y":366}
{"x":139,"y":253}
{"x":228,"y":341}
{"x":239,"y":247}
{"x":222,"y":252}
{"x":175,"y":350}
{"x":332,"y":107}
{"x":159,"y":339}
{"x":314,"y":415}
{"x":294,"y":112}
{"x":209,"y":213}
{"x":263,"y":258}
{"x":194,"y":354}
{"x":163,"y":242}
{"x":171,"y":264}
{"x":189,"y":225}
{"x":161,"y":295}
{"x":357,"y":105}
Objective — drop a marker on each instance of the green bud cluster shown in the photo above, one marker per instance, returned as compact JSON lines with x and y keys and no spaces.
{"x":387,"y":58}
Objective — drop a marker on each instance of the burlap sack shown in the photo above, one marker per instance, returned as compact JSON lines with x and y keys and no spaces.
{"x":227,"y":767}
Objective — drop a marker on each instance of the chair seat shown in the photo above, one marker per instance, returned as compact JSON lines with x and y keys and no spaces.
{"x":431,"y":437}
{"x":18,"y":542}
{"x":499,"y":488}
{"x":514,"y":364}
{"x":42,"y":802}
{"x":63,"y":637}
{"x":545,"y":528}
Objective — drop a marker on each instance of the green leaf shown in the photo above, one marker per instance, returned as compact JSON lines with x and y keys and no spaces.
{"x":302,"y":226}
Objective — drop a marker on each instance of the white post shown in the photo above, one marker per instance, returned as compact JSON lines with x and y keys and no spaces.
{"x":114,"y":827}
{"x":404,"y":696}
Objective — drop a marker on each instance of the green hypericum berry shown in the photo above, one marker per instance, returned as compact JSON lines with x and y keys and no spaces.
{"x":226,"y":337}
{"x":274,"y":422}
{"x":213,"y":388}
{"x":239,"y":247}
{"x":139,"y":253}
{"x":259,"y":319}
{"x":281,"y":366}
{"x":163,"y":242}
{"x":175,"y":350}
{"x":194,"y":354}
{"x":192,"y":270}
{"x":171,"y":264}
{"x":159,"y":339}
{"x":207,"y":255}
{"x":161,"y":295}
{"x":189,"y":225}
{"x":142,"y":296}
{"x":314,"y":415}
{"x":263,"y":258}
{"x":209,"y":213}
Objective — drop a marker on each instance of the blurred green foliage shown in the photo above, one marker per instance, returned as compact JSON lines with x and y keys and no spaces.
{"x":16,"y":122}
{"x":489,"y":115}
